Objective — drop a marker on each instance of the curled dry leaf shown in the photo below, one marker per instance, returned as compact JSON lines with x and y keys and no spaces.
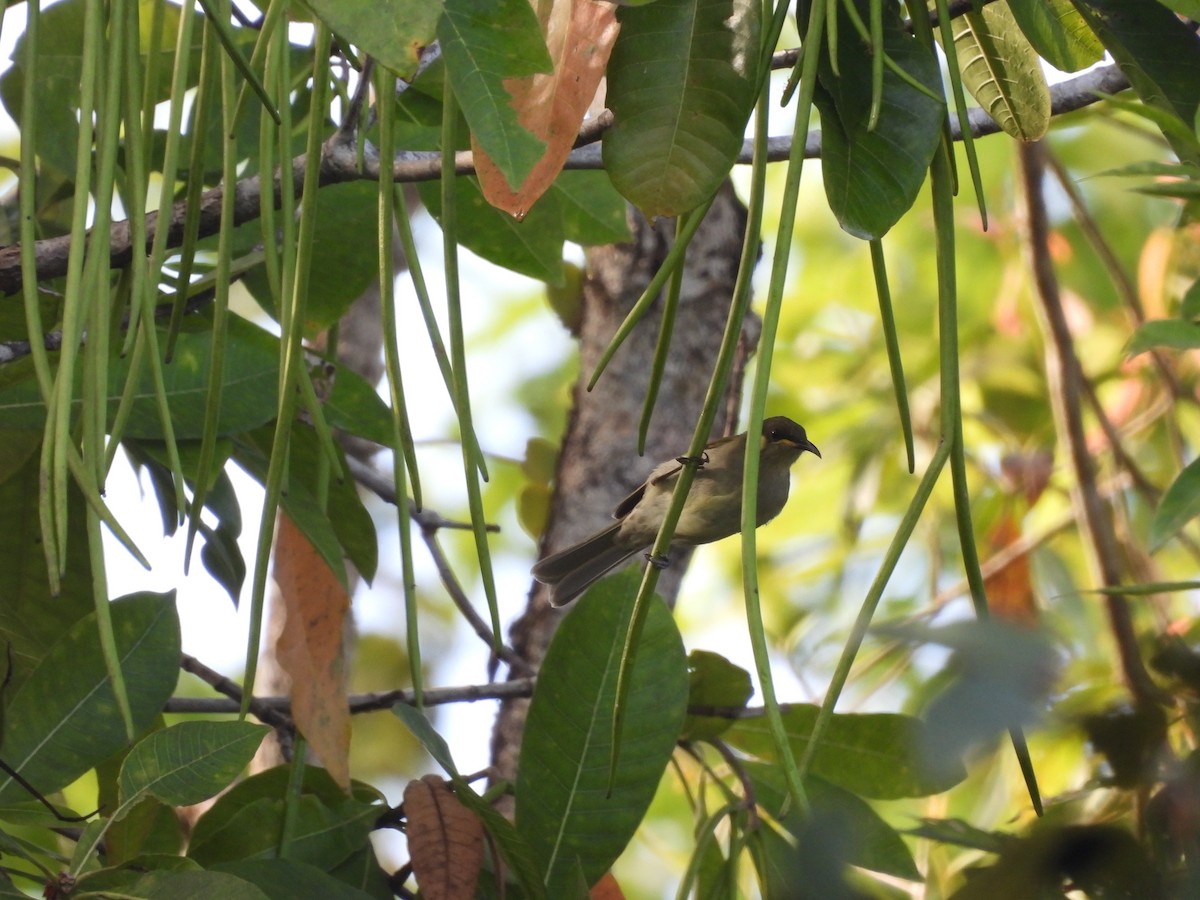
{"x":445,"y":840}
{"x":310,"y":648}
{"x":579,"y":35}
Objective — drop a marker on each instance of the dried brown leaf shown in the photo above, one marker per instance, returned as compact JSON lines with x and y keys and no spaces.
{"x":445,"y":840}
{"x":1010,"y":589}
{"x":606,"y":889}
{"x":310,"y":648}
{"x":580,"y":36}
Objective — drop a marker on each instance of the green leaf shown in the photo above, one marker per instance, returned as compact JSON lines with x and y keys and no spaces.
{"x":162,"y":885}
{"x":271,"y":784}
{"x":249,"y":398}
{"x":354,"y":406}
{"x":325,"y":834}
{"x":962,"y":834}
{"x":362,"y":872}
{"x":1189,"y":306}
{"x":871,"y":754}
{"x":713,"y":681}
{"x":1174,"y":334}
{"x":1158,"y":54}
{"x":342,"y":527}
{"x":119,"y":880}
{"x":63,"y":719}
{"x":1156,"y":169}
{"x":566,"y":807}
{"x":345,"y":254}
{"x":188,"y":762}
{"x":532,"y":246}
{"x":291,"y":879}
{"x":13,"y":326}
{"x":1058,"y":33}
{"x":593,"y":212}
{"x":344,"y":510}
{"x":393,"y":32}
{"x":1003,"y":72}
{"x":872,"y":176}
{"x":149,"y":829}
{"x":1175,"y":129}
{"x":1183,"y":190}
{"x":1179,"y":505}
{"x":31,"y":619}
{"x":681,"y":85}
{"x":870,"y":842}
{"x":483,"y":43}
{"x":59,"y":73}
{"x":1189,"y":8}
{"x":421,"y":728}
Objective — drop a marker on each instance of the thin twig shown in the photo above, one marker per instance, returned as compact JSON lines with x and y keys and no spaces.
{"x":469,"y":693}
{"x":362,"y":92}
{"x":1121,"y":281}
{"x":749,"y":796}
{"x":463,"y":603}
{"x":1065,"y":376}
{"x":430,"y":523}
{"x":383,"y":488}
{"x":264,"y":712}
{"x":362,"y":703}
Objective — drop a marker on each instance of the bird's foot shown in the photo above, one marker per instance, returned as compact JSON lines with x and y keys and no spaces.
{"x":701,"y":461}
{"x":659,"y":562}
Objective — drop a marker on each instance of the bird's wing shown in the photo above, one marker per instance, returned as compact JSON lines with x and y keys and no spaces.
{"x":662,"y":472}
{"x":625,"y":507}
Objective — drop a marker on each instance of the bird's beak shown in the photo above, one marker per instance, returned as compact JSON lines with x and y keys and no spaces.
{"x":811,"y":448}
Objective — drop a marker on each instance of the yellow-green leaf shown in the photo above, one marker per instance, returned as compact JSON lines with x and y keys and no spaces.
{"x":1003,"y":72}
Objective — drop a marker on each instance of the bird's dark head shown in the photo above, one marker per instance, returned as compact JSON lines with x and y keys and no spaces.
{"x":780,"y":430}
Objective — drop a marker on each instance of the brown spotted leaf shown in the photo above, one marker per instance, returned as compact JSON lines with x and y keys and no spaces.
{"x":445,"y":840}
{"x":579,"y":35}
{"x":310,"y":648}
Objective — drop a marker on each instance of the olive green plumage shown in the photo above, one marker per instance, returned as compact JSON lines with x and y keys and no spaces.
{"x":713,"y":509}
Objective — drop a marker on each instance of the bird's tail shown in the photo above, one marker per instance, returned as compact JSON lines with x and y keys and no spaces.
{"x":572,"y":571}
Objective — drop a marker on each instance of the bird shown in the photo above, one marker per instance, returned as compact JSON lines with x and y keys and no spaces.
{"x":712,"y":511}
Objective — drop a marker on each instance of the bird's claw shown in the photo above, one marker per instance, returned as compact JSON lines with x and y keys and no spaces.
{"x":701,"y":461}
{"x":659,"y":562}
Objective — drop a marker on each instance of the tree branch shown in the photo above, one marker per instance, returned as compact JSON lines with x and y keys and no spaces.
{"x":467,"y":693}
{"x":233,"y":691}
{"x":339,"y":163}
{"x":359,"y":703}
{"x":430,"y":523}
{"x":1065,"y":376}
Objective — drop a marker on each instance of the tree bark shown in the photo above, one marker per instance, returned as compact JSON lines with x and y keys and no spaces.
{"x":598,"y":463}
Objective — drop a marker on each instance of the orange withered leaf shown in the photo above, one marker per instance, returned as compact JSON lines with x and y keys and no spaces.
{"x":579,"y":35}
{"x":606,"y":889}
{"x":1010,"y":589}
{"x":310,"y":648}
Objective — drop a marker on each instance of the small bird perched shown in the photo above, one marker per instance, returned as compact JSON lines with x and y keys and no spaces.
{"x":713,"y":509}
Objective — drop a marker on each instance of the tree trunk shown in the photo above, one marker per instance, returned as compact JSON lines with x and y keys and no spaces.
{"x":598,"y":463}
